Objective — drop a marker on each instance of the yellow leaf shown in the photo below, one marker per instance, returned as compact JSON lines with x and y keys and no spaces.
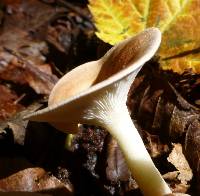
{"x":183,"y":32}
{"x":179,"y":64}
{"x":118,"y":19}
{"x":178,"y":20}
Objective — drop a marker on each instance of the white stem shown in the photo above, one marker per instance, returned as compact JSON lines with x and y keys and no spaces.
{"x":109,"y":111}
{"x":138,"y":159}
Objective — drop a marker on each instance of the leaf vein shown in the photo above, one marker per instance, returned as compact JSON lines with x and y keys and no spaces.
{"x":146,"y":13}
{"x":168,"y":24}
{"x":135,"y":8}
{"x":114,"y":16}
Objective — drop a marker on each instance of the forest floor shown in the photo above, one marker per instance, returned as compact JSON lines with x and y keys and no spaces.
{"x":40,"y":41}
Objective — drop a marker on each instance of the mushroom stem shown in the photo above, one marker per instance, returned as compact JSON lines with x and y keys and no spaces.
{"x":138,"y":159}
{"x":109,"y":110}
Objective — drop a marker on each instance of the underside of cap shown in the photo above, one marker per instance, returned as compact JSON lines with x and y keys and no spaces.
{"x":67,"y":100}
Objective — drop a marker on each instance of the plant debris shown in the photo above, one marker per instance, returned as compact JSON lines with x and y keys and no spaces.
{"x":34,"y":180}
{"x":117,"y":169}
{"x":177,"y":158}
{"x":9,"y":103}
{"x":42,"y":39}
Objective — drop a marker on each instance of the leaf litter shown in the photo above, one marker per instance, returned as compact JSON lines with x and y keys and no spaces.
{"x":177,"y":158}
{"x":34,"y":180}
{"x":49,"y":41}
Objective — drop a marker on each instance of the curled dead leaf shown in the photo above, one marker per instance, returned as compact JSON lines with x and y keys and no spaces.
{"x":177,"y":158}
{"x":177,"y":194}
{"x":153,"y":144}
{"x":159,"y":108}
{"x":117,"y":168}
{"x":18,"y":70}
{"x":22,"y":56}
{"x":8,"y":103}
{"x":22,"y":194}
{"x":192,"y":147}
{"x":17,"y":125}
{"x":33,"y":180}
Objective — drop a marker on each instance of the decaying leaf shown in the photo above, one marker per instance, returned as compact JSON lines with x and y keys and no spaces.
{"x":8,"y":103}
{"x":159,"y":108}
{"x":192,"y":150}
{"x":177,"y":194}
{"x":18,"y":193}
{"x":16,"y":124}
{"x":154,"y":145}
{"x":175,"y":185}
{"x":177,"y":158}
{"x":178,"y":21}
{"x":117,"y":168}
{"x":22,"y":56}
{"x":34,"y":180}
{"x":24,"y":72}
{"x":64,"y":32}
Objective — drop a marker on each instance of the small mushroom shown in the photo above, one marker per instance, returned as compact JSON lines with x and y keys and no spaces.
{"x":96,"y":92}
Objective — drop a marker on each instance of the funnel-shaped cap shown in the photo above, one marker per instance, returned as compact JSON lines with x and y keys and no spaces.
{"x":73,"y":92}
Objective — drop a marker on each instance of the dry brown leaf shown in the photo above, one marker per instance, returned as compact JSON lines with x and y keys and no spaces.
{"x":7,"y":2}
{"x":32,"y":180}
{"x":21,"y":71}
{"x":117,"y":168}
{"x":177,"y":194}
{"x":178,"y":180}
{"x":154,"y":145}
{"x":159,"y":108}
{"x":16,"y":124}
{"x":8,"y":103}
{"x":22,"y":194}
{"x":177,"y":158}
{"x":192,"y":147}
{"x":22,"y":55}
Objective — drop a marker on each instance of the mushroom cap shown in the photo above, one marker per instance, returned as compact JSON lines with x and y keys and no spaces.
{"x":74,"y":91}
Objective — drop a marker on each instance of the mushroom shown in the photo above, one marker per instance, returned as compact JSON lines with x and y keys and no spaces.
{"x":96,"y":92}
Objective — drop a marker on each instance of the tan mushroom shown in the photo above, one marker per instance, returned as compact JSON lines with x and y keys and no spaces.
{"x":96,"y":92}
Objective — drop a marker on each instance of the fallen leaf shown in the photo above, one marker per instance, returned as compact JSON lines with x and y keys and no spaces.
{"x":22,"y":53}
{"x":22,"y":194}
{"x":8,"y":103}
{"x":32,"y":180}
{"x":182,"y":63}
{"x":117,"y":169}
{"x":7,"y":2}
{"x":16,"y":124}
{"x":153,"y":144}
{"x":191,"y":148}
{"x":20,"y":71}
{"x":177,"y":158}
{"x":179,"y":179}
{"x":177,"y":194}
{"x":178,"y":21}
{"x":159,"y":108}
